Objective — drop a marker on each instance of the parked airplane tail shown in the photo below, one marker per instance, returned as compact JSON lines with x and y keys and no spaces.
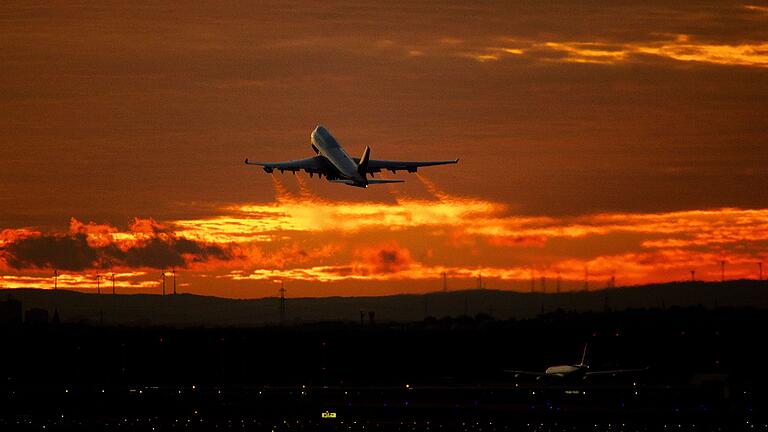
{"x":584,"y":356}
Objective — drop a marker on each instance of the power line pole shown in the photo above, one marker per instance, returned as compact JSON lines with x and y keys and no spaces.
{"x":693,"y":275}
{"x":162,"y":276}
{"x":722,"y":271}
{"x":445,"y":282}
{"x":55,"y":279}
{"x":586,"y":278}
{"x":533,"y":282}
{"x":98,"y":283}
{"x":760,"y":265}
{"x":113,"y":283}
{"x":282,"y":302}
{"x":173,"y":271}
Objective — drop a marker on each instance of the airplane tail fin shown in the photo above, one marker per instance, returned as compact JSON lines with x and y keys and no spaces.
{"x":584,"y":355}
{"x":362,"y":167}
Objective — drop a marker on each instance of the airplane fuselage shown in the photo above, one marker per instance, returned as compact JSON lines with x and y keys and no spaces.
{"x":326,"y":146}
{"x":565,"y":370}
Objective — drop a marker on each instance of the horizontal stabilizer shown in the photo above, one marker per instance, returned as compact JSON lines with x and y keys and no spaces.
{"x":381,"y":181}
{"x":370,"y":182}
{"x":520,"y":372}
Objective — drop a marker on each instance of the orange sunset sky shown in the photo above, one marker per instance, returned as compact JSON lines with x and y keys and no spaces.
{"x":626,"y":138}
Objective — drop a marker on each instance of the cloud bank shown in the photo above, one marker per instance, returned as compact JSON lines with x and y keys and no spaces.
{"x":146,"y":244}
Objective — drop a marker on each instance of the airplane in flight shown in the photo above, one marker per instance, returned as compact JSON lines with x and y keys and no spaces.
{"x":580,"y":370}
{"x":337,"y":166}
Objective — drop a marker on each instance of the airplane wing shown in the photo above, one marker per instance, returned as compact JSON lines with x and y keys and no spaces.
{"x":375,"y":166}
{"x":615,"y":372}
{"x":315,"y":164}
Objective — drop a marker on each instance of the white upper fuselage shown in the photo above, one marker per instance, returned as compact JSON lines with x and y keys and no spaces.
{"x":327,"y":146}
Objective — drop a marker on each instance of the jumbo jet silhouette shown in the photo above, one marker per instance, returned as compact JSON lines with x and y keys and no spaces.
{"x":337,"y":166}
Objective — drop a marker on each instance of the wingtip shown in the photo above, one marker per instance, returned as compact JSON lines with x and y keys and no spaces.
{"x":456,"y":160}
{"x":246,"y":161}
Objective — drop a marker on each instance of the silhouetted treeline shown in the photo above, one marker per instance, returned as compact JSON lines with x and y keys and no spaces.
{"x":195,"y":310}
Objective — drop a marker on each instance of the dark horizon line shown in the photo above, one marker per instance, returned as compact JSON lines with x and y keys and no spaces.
{"x":92,"y":291}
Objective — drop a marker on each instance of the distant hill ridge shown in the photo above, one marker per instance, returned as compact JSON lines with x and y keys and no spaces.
{"x":193,"y":310}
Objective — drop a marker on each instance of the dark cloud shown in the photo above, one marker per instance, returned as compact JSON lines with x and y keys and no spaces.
{"x":175,"y":252}
{"x":385,"y":259}
{"x":73,"y":252}
{"x":63,"y":252}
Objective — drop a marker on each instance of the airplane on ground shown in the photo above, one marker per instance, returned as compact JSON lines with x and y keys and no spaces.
{"x":574,"y":371}
{"x":337,"y":166}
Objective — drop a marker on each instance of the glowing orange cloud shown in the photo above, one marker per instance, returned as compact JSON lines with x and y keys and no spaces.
{"x":681,"y":48}
{"x":307,"y":238}
{"x":267,"y":222}
{"x":667,"y":244}
{"x":123,"y":281}
{"x":759,"y":9}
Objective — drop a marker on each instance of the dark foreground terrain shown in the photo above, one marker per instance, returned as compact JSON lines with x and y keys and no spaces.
{"x":706,"y":372}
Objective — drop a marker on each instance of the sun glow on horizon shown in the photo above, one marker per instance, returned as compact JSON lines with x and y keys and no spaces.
{"x":307,"y":238}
